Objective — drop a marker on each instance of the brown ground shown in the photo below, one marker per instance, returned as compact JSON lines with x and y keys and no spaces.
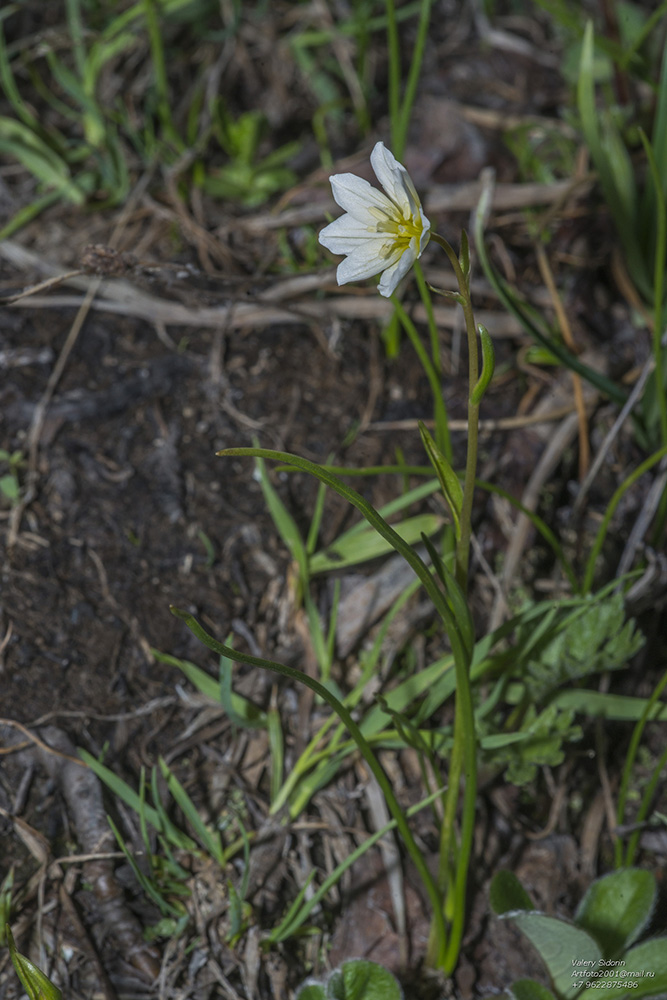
{"x":129,"y":510}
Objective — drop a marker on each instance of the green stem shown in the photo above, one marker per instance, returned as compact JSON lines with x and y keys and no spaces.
{"x":413,"y":75}
{"x":447,"y":860}
{"x":439,"y":412}
{"x":463,"y":762}
{"x":464,"y":753}
{"x":514,"y":307}
{"x":463,"y":542}
{"x":160,"y":73}
{"x":464,"y":711}
{"x":394,"y":82}
{"x":658,"y":285}
{"x":430,"y":317}
{"x":647,"y":799}
{"x":609,"y":513}
{"x":627,"y":772}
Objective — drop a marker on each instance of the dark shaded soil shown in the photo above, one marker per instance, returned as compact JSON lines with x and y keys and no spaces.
{"x":129,"y":474}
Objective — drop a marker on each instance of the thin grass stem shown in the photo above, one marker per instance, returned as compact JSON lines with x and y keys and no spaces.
{"x":439,"y":412}
{"x":609,"y":513}
{"x":413,"y":75}
{"x":627,"y":771}
{"x":394,"y":82}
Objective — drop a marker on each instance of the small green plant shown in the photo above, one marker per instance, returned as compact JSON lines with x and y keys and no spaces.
{"x":597,"y":949}
{"x":386,"y":233}
{"x":523,"y":719}
{"x":64,"y":169}
{"x":163,"y":878}
{"x":88,"y":150}
{"x":6,"y":890}
{"x":354,"y":980}
{"x":561,"y":647}
{"x":10,"y":484}
{"x":37,"y":985}
{"x":359,"y":544}
{"x":247,"y":177}
{"x":638,"y":209}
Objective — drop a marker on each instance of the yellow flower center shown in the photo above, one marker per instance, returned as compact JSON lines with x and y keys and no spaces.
{"x":403,"y":230}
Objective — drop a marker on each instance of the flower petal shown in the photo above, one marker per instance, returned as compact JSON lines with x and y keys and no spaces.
{"x":343,"y":234}
{"x":364,"y":264}
{"x":396,"y":272}
{"x":426,"y":234}
{"x":395,"y":179}
{"x":357,"y":196}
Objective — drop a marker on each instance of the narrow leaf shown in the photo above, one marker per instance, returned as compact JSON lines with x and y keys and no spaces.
{"x":35,"y":983}
{"x":367,"y":544}
{"x":284,"y":522}
{"x":488,"y":365}
{"x":120,"y":788}
{"x":209,"y":839}
{"x":449,"y":481}
{"x":248,"y":716}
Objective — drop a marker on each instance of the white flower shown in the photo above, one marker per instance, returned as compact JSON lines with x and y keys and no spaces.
{"x":381,"y":232}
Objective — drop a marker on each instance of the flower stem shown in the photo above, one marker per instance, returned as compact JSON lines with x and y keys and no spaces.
{"x":463,"y":542}
{"x":430,"y":316}
{"x":455,"y":858}
{"x":439,"y":412}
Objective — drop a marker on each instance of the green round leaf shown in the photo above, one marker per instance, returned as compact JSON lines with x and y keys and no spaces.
{"x":354,"y":980}
{"x":9,"y":488}
{"x":366,"y":981}
{"x":528,"y":989}
{"x":569,"y":954}
{"x":617,"y":908}
{"x":641,"y":972}
{"x":507,"y":893}
{"x":311,"y":990}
